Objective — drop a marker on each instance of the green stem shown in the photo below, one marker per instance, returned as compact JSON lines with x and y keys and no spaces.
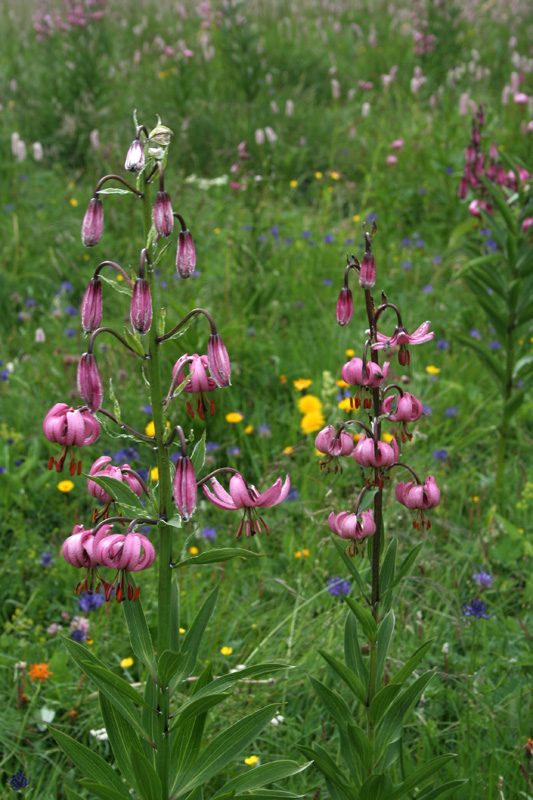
{"x":165,"y":511}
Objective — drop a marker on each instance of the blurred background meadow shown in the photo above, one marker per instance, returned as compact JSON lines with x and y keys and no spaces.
{"x":349,"y":112}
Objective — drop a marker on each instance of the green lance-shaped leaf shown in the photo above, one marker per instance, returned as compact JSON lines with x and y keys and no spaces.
{"x":83,"y":656}
{"x":349,"y":563}
{"x":352,"y":650}
{"x":122,"y":737}
{"x":376,"y":787}
{"x":134,"y":341}
{"x":217,"y":556}
{"x":362,"y":745}
{"x":382,"y":701}
{"x":224,"y":748}
{"x":386,"y":575}
{"x":72,"y":795}
{"x":420,"y":776}
{"x":146,"y":778}
{"x":407,"y":670}
{"x":141,"y":641}
{"x":385,"y":631}
{"x":443,"y":791}
{"x":500,"y":201}
{"x":198,"y":454}
{"x":120,"y":492}
{"x":484,"y":356}
{"x":390,"y":728}
{"x":333,"y":703}
{"x":479,"y":261}
{"x":261,"y":776}
{"x":193,"y":638}
{"x":149,"y":720}
{"x":524,"y":264}
{"x":168,"y":665}
{"x":102,"y":791}
{"x":113,"y":682}
{"x":195,"y":707}
{"x":515,"y":401}
{"x":327,"y":766}
{"x":222,"y":683}
{"x":188,"y":739}
{"x":347,"y":675}
{"x":368,"y":623}
{"x":90,"y":763}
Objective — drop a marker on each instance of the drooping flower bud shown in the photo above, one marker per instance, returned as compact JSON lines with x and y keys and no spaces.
{"x":89,"y":382}
{"x":367,"y":273}
{"x":92,"y":306}
{"x":184,"y":490}
{"x":135,"y":158}
{"x":163,"y":219}
{"x":141,"y":306}
{"x":92,"y":226}
{"x":186,"y":255}
{"x":344,"y":309}
{"x":218,"y":361}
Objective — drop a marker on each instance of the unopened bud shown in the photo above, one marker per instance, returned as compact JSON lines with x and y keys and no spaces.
{"x":92,"y":226}
{"x":92,"y":306}
{"x":135,"y":158}
{"x":89,"y":382}
{"x":159,"y":140}
{"x":184,"y":490}
{"x":344,"y":310}
{"x":367,"y":273}
{"x":218,"y":361}
{"x":163,"y":219}
{"x":186,"y":255}
{"x":141,"y":306}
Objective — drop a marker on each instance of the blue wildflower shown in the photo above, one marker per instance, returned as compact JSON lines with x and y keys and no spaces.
{"x":209,"y":534}
{"x":495,"y":345}
{"x":440,"y":455}
{"x":428,"y":410}
{"x":442,"y":344}
{"x":327,"y":282}
{"x":483,"y":579}
{"x":19,"y":781}
{"x":90,"y":602}
{"x":475,"y":334}
{"x":292,"y":495}
{"x":71,"y":311}
{"x":407,"y":265}
{"x":46,"y":559}
{"x":210,"y":447}
{"x":451,"y":411}
{"x":328,"y":238}
{"x":306,"y":234}
{"x":78,"y":635}
{"x":234,"y":451}
{"x":147,"y":408}
{"x":427,"y":289}
{"x":477,"y":609}
{"x":70,"y":332}
{"x":30,"y":302}
{"x":337,"y":586}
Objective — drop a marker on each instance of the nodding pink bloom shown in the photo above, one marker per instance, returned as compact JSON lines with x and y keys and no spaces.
{"x":89,"y":382}
{"x":103,"y":467}
{"x":369,"y":453}
{"x":185,"y":255}
{"x":130,"y":552}
{"x":184,"y":490}
{"x":402,"y":338}
{"x":344,"y":309}
{"x":218,"y":361}
{"x":92,"y":226}
{"x":78,"y":550}
{"x":419,"y":496}
{"x":92,"y":306}
{"x":242,"y":495}
{"x":70,"y":428}
{"x":408,"y":409}
{"x":333,"y":444}
{"x":197,"y":383}
{"x":163,"y":218}
{"x":355,"y":527}
{"x":474,"y":208}
{"x":141,"y":307}
{"x":367,"y":272}
{"x":135,"y":158}
{"x":369,"y":375}
{"x":526,"y":224}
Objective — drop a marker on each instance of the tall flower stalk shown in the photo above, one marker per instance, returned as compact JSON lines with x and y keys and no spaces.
{"x":369,"y":734}
{"x":156,"y":738}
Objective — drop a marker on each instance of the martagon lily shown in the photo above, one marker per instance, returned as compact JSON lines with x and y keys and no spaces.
{"x":243,"y":495}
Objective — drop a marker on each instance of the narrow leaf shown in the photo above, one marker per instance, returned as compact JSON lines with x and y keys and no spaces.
{"x":262,"y":775}
{"x":167,"y":666}
{"x":385,"y":631}
{"x":420,"y":776}
{"x":146,"y":777}
{"x":122,"y":738}
{"x":193,"y":638}
{"x":105,"y":792}
{"x":347,"y":675}
{"x":141,"y":641}
{"x":327,"y":766}
{"x":386,"y":575}
{"x":368,"y":623}
{"x":407,"y":669}
{"x":352,"y":650}
{"x":119,"y":491}
{"x":333,"y":703}
{"x":89,"y":762}
{"x":195,"y":707}
{"x":382,"y":701}
{"x":198,"y":454}
{"x":114,"y":682}
{"x":362,"y":745}
{"x":349,"y":563}
{"x":376,"y":787}
{"x":390,"y":727}
{"x":218,"y":555}
{"x":188,"y":740}
{"x":443,"y":791}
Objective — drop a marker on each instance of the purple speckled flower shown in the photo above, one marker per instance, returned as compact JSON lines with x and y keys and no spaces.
{"x":483,"y":579}
{"x":90,"y":602}
{"x":337,"y":586}
{"x":78,"y":635}
{"x":477,"y":609}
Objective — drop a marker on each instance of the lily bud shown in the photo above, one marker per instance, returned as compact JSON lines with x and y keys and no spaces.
{"x":135,"y":158}
{"x":141,"y":306}
{"x":89,"y":382}
{"x":92,"y":226}
{"x":186,"y":255}
{"x":184,"y":490}
{"x":92,"y":306}
{"x":367,"y":273}
{"x":218,"y":361}
{"x":163,"y":219}
{"x":344,"y":310}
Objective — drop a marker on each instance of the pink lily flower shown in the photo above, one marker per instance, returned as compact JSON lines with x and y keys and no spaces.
{"x":197,"y":383}
{"x":369,"y":375}
{"x":130,"y":552}
{"x":368,"y":453}
{"x":71,"y":428}
{"x":78,"y":550}
{"x":352,"y":526}
{"x":334,"y":445}
{"x":242,"y":495}
{"x":103,"y":467}
{"x":184,"y":490}
{"x":402,"y":338}
{"x":408,"y":409}
{"x":420,"y":497}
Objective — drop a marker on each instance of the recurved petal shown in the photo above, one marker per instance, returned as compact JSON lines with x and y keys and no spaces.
{"x":276,"y":494}
{"x":219,"y":496}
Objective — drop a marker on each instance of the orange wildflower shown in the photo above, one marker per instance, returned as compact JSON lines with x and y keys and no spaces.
{"x":40,"y":672}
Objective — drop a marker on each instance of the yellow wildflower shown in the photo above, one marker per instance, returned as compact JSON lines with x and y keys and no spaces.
{"x":387,"y":437}
{"x":249,"y":429}
{"x":298,"y":554}
{"x":305,"y":553}
{"x":251,"y":760}
{"x":345,"y":405}
{"x":309,"y":403}
{"x":350,"y":353}
{"x":65,"y":486}
{"x":226,"y":651}
{"x":312,"y":422}
{"x":73,"y":202}
{"x":234,"y":416}
{"x":356,"y":217}
{"x":154,"y":474}
{"x":193,"y":551}
{"x":217,"y":231}
{"x":283,"y":378}
{"x":150,"y":429}
{"x":182,"y":630}
{"x":318,"y":175}
{"x":431,"y":370}
{"x":293,"y":184}
{"x":334,"y":176}
{"x":126,"y":662}
{"x":301,"y":384}
{"x":343,"y":384}
{"x":288,"y":450}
